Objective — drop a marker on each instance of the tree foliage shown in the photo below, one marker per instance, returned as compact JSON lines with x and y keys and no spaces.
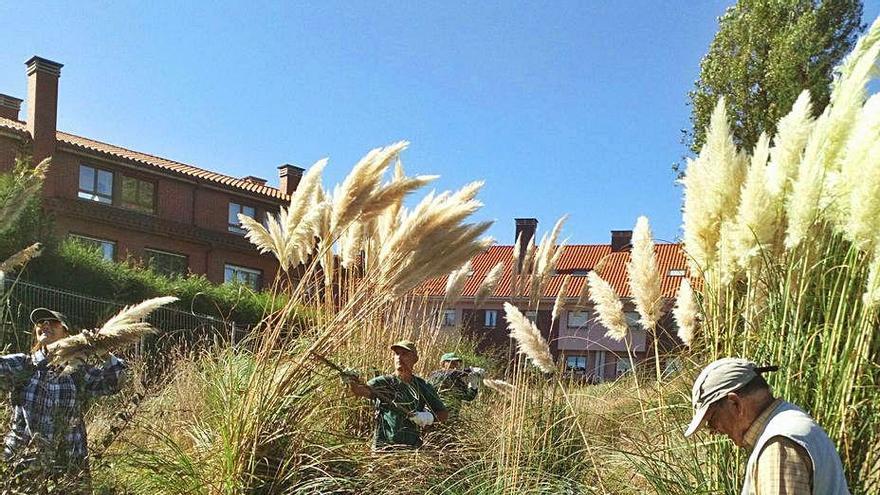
{"x":765,"y":53}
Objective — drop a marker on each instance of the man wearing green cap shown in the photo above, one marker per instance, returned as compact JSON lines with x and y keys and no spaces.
{"x":401,"y":401}
{"x":790,"y":453}
{"x":454,"y":384}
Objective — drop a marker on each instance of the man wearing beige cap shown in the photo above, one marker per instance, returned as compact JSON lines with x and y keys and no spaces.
{"x":402,"y":401}
{"x":790,"y":453}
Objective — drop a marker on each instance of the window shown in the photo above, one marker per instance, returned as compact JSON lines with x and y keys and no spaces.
{"x":106,"y":248}
{"x":623,"y":365}
{"x":491,"y":318}
{"x":247,"y":276}
{"x":137,"y":194}
{"x":580,"y":273}
{"x":599,"y":365}
{"x":676,"y":272}
{"x":576,"y":364}
{"x":532,"y":316}
{"x":167,"y":263}
{"x":448,"y":317}
{"x":234,"y":210}
{"x":95,"y":184}
{"x":578,"y":318}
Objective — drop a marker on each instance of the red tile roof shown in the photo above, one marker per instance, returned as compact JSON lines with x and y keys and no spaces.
{"x":574,"y":258}
{"x":154,"y":162}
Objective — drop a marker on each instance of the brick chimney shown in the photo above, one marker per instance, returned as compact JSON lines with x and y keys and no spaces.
{"x":9,"y":107}
{"x":289,"y":177}
{"x":42,"y":104}
{"x":525,"y":231}
{"x":621,"y":240}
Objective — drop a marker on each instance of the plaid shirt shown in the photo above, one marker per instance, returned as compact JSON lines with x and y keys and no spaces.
{"x":48,"y":407}
{"x":783,"y":466}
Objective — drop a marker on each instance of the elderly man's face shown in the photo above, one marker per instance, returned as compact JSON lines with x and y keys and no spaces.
{"x":404,"y":360}
{"x":49,"y":331}
{"x":729,"y":417}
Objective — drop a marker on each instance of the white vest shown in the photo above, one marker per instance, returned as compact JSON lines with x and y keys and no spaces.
{"x":791,"y":422}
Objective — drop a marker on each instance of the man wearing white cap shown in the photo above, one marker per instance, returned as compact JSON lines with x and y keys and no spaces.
{"x":790,"y":453}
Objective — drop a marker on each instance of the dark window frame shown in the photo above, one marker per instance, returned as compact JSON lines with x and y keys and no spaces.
{"x":136,"y":206}
{"x":91,"y":239}
{"x":236,"y":228}
{"x":94,"y":195}
{"x":257,"y":284}
{"x":148,"y":251}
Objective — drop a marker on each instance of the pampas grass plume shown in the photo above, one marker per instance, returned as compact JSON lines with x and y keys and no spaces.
{"x":487,"y":287}
{"x":528,"y":339}
{"x":644,"y":276}
{"x":757,"y":219}
{"x":609,"y":309}
{"x":559,"y":304}
{"x":685,"y":312}
{"x":455,"y":282}
{"x":125,"y":328}
{"x":21,"y":258}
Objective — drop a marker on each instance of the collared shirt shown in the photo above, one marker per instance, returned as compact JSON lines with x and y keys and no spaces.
{"x":48,"y":405}
{"x":393,"y":427}
{"x":783,"y":466}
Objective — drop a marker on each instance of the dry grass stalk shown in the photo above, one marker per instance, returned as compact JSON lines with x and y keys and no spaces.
{"x":561,"y":296}
{"x":487,"y":287}
{"x":609,"y":309}
{"x":455,"y":283}
{"x":686,"y":313}
{"x":290,"y":235}
{"x":500,"y":386}
{"x":583,"y":295}
{"x":432,"y":240}
{"x":528,"y":339}
{"x":20,"y":258}
{"x":362,"y":185}
{"x":644,"y":276}
{"x":124,"y":329}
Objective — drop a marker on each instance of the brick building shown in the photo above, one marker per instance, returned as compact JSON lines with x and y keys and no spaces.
{"x":577,"y":337}
{"x":175,"y":216}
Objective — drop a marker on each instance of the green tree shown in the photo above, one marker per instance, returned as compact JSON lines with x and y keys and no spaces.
{"x":765,"y":53}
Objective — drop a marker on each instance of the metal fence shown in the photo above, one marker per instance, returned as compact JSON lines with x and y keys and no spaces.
{"x":19,"y":298}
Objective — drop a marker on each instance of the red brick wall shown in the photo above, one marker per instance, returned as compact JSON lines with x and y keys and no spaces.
{"x":175,"y":201}
{"x":8,"y":149}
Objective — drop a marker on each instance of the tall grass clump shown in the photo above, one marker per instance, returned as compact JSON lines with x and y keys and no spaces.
{"x":783,"y":243}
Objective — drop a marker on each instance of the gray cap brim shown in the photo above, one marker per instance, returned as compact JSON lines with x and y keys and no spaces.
{"x":697,"y":420}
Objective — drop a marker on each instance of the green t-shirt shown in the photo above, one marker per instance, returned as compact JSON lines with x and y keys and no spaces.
{"x":392,"y":427}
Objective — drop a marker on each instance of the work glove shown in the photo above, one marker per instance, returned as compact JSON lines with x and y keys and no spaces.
{"x":348,"y":377}
{"x":422,"y":418}
{"x":475,"y":378}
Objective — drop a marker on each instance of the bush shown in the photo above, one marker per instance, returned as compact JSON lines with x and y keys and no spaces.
{"x":80,"y":268}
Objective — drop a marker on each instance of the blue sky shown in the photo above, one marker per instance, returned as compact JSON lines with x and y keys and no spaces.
{"x":561,"y":107}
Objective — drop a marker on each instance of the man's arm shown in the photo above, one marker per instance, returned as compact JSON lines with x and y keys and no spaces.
{"x":435,"y":403}
{"x":106,"y":379}
{"x":783,"y":468}
{"x":12,"y":368}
